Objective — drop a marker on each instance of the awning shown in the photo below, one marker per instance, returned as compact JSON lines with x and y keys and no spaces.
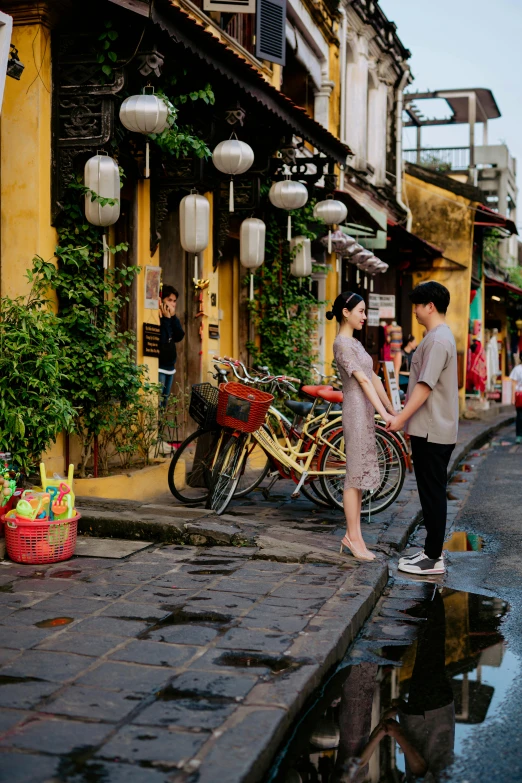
{"x":356,"y":212}
{"x":485,"y":216}
{"x":492,"y":281}
{"x":192,"y":35}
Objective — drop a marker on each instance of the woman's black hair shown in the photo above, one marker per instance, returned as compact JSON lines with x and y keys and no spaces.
{"x":348,"y":300}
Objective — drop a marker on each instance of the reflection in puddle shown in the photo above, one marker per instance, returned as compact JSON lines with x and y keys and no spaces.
{"x":401,"y":713}
{"x":460,"y":541}
{"x":54,"y":622}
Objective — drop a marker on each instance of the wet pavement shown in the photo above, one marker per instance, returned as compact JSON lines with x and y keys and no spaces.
{"x":187,"y":664}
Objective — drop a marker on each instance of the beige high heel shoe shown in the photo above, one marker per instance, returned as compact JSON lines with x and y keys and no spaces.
{"x":357,"y":555}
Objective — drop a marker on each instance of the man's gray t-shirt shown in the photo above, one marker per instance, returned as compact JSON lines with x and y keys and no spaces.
{"x":435,"y":363}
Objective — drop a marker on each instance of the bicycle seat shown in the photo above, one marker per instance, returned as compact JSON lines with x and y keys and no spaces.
{"x":313,"y":391}
{"x":330,"y":395}
{"x":299,"y":408}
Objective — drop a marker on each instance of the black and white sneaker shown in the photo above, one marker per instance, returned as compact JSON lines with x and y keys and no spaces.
{"x":423,"y":565}
{"x":413,"y":557}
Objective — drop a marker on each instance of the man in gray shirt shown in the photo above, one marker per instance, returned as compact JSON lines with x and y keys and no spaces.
{"x":430,"y":417}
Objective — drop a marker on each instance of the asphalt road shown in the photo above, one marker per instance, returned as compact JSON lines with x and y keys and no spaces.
{"x":493,"y":510}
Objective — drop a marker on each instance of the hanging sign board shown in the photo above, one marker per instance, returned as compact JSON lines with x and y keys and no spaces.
{"x":392,"y":387}
{"x":231,"y":6}
{"x":373,"y":318}
{"x":213,"y":331}
{"x":384,"y":303}
{"x":152,"y":287}
{"x":151,"y":339}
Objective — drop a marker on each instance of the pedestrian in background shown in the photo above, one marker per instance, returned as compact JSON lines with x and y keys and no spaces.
{"x":363,"y":394}
{"x":171,"y":332}
{"x":430,"y":417}
{"x":516,"y":378}
{"x":408,"y":348}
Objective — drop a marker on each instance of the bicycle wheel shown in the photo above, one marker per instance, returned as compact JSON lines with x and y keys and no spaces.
{"x":391,"y":469}
{"x":227,"y":473}
{"x":257,"y":466}
{"x":191,"y":466}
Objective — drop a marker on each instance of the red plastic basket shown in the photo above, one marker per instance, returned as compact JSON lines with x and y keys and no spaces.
{"x":40,"y":542}
{"x":241,"y":407}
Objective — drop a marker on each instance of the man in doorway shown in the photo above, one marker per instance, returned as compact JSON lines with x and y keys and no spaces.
{"x":430,"y":417}
{"x":171,"y":333}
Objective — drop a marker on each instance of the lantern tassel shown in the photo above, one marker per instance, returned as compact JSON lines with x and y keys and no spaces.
{"x":365,"y":281}
{"x":329,"y":240}
{"x":147,"y":161}
{"x":251,"y":293}
{"x":289,"y":228}
{"x":371,"y":284}
{"x":231,"y":196}
{"x":105,"y":251}
{"x":358,"y":277}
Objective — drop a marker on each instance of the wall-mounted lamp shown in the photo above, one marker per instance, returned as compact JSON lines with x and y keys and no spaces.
{"x":496,"y":298}
{"x":15,"y":68}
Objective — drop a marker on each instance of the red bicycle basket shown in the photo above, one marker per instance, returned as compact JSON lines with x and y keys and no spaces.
{"x":40,"y":542}
{"x":242,"y":408}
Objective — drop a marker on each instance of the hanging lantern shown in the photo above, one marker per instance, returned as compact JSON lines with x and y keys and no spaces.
{"x":232,"y":157}
{"x":360,"y":257}
{"x":252,"y":246}
{"x":146,"y":114}
{"x":301,"y":249}
{"x":331,"y":212}
{"x":352,"y":253}
{"x":341,"y":243}
{"x":288,"y":194}
{"x":194,"y":223}
{"x":102,"y":177}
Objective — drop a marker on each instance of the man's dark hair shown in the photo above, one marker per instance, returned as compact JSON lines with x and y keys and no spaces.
{"x":167,"y":290}
{"x":438,"y":294}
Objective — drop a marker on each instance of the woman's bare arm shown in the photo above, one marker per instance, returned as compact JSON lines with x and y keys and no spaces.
{"x":370,"y":392}
{"x":379,"y":388}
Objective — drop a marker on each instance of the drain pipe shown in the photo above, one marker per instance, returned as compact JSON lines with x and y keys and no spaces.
{"x":398,"y":147}
{"x":342,"y":124}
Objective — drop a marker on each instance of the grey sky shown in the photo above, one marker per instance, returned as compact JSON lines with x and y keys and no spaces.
{"x":465,"y":43}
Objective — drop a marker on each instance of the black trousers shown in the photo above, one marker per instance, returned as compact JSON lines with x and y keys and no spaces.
{"x":519,"y":423}
{"x":430,"y":461}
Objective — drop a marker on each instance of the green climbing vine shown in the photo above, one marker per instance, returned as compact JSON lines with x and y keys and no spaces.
{"x":284,"y":311}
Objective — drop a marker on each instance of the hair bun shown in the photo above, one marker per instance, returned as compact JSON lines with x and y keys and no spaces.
{"x":329,"y":315}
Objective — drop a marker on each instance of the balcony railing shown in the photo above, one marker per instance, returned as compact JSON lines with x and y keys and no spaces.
{"x":440,"y":159}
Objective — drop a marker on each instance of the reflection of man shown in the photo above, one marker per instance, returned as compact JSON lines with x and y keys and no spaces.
{"x":425,"y":729}
{"x":171,"y":333}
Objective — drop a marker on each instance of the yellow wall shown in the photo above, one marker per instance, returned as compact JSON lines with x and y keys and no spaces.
{"x":447,"y":221}
{"x":331,"y":327}
{"x":145,"y":315}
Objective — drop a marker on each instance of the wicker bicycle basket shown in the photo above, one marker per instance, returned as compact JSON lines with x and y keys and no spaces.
{"x":242,"y":408}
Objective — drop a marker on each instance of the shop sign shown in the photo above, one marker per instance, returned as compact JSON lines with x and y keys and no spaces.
{"x":384,"y":303}
{"x":213,"y":331}
{"x":373,"y":318}
{"x":230,"y":6}
{"x":152,"y":287}
{"x":151,"y":339}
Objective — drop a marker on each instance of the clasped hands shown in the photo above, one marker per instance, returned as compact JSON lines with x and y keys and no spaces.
{"x":394,"y":422}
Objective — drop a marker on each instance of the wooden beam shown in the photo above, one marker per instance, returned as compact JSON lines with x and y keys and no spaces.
{"x":141,"y":7}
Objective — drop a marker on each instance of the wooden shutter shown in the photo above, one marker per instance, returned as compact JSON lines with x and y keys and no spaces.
{"x":270,"y":30}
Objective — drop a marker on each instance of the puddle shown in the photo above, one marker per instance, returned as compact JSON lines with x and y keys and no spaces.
{"x":54,"y":622}
{"x":458,"y":480}
{"x":6,"y":588}
{"x":5,"y":679}
{"x":466,"y":468}
{"x":403,"y":711}
{"x":460,"y":541}
{"x":276,"y":665}
{"x":211,"y":572}
{"x":181,"y":616}
{"x":64,"y":574}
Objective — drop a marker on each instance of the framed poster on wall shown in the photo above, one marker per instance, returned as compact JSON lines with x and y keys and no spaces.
{"x":152,"y":287}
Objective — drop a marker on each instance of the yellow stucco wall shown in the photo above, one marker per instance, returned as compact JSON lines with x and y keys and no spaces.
{"x":447,"y":221}
{"x":331,"y":327}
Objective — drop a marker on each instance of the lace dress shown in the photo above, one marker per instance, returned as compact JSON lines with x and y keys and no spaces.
{"x":362,"y":467}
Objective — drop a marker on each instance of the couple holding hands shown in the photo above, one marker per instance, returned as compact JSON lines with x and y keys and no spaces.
{"x":430,"y":417}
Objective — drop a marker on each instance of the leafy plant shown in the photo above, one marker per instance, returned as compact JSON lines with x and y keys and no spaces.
{"x":283,"y":310}
{"x":176,"y":140}
{"x":34,"y":403}
{"x":106,"y":56}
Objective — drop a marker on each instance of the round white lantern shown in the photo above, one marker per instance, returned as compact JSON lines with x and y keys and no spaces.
{"x":252,"y":246}
{"x":194,"y":223}
{"x":144,"y":114}
{"x":331,"y":212}
{"x":102,"y":177}
{"x":288,"y":194}
{"x":232,"y":157}
{"x":301,"y":249}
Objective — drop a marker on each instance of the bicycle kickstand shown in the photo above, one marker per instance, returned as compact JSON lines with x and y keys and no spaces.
{"x":273,"y":478}
{"x":297,"y":491}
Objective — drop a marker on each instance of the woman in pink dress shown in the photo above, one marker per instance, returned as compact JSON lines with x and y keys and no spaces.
{"x":363,"y":394}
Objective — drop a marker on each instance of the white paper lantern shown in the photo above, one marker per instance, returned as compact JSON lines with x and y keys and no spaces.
{"x":341,"y":243}
{"x":252,"y":246}
{"x":361,"y":258}
{"x":331,"y":212}
{"x":144,"y":114}
{"x":232,"y":157}
{"x":194,"y":223}
{"x":301,"y":265}
{"x":102,"y":177}
{"x":288,"y":194}
{"x":352,"y":252}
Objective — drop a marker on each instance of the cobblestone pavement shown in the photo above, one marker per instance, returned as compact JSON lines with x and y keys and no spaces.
{"x":183,"y":662}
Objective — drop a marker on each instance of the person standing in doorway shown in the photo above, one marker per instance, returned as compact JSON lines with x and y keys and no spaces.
{"x":430,"y":417}
{"x":171,"y":333}
{"x":516,"y":378}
